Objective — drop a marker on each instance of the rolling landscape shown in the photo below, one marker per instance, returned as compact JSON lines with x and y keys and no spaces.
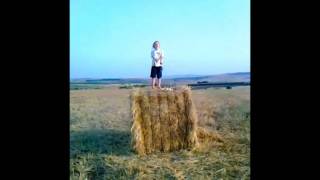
{"x":167,"y":81}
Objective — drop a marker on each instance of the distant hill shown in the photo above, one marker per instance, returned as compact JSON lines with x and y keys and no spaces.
{"x":181,"y":76}
{"x":229,"y":77}
{"x":174,"y":79}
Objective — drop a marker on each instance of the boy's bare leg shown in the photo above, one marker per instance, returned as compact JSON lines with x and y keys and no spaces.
{"x":153,"y":82}
{"x":159,"y":83}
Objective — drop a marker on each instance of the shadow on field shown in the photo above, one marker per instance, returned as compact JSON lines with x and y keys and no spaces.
{"x":106,"y":141}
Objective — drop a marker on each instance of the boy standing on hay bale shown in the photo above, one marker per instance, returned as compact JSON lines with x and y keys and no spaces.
{"x":157,"y":61}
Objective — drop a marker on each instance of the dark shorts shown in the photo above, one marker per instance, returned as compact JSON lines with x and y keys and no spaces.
{"x":156,"y":72}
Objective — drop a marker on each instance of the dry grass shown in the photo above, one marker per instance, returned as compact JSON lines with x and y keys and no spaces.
{"x":163,"y":120}
{"x":204,"y":135}
{"x":100,"y":138}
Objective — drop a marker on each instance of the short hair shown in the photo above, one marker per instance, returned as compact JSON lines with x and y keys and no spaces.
{"x":154,"y":44}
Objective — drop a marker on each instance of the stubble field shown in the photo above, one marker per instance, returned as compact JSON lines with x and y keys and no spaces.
{"x":100,"y":122}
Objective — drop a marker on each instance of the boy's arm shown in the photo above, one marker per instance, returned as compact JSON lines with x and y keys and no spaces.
{"x":155,"y":56}
{"x":161,"y":57}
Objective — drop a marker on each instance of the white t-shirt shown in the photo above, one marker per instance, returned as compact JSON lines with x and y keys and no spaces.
{"x":155,"y":55}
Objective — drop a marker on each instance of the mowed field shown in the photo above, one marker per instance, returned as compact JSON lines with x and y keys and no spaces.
{"x":100,"y":122}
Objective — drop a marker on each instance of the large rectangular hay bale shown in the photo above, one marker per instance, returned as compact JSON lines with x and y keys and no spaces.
{"x":163,"y":120}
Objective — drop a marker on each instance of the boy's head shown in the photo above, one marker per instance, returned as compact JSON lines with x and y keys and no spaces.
{"x":156,"y":45}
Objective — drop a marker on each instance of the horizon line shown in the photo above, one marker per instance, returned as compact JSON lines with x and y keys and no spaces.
{"x":167,"y":76}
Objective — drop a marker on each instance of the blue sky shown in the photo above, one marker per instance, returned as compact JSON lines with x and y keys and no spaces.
{"x":113,"y":39}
